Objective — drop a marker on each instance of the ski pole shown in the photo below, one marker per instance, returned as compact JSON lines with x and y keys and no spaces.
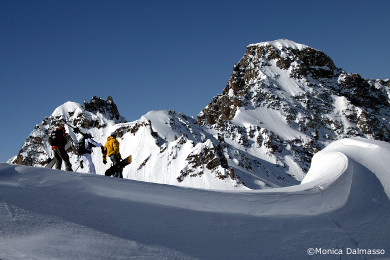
{"x":81,"y":164}
{"x":77,"y":130}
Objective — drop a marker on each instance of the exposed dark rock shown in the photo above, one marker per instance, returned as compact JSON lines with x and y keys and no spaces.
{"x":107,"y":107}
{"x":361,"y":93}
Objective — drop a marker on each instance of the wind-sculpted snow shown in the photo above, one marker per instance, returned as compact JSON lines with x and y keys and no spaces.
{"x":342,"y":204}
{"x":372,"y":155}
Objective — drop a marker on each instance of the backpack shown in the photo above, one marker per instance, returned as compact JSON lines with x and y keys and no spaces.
{"x":56,"y":138}
{"x":81,"y":146}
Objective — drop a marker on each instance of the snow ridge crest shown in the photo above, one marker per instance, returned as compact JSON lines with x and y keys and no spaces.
{"x":280,"y":44}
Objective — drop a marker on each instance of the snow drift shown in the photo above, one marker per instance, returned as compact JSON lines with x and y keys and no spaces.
{"x":341,"y":206}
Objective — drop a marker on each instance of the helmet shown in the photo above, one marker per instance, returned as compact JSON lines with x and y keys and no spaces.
{"x":113,"y":134}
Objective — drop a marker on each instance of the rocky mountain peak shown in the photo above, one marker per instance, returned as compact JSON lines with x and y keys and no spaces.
{"x":106,"y":107}
{"x":301,"y":59}
{"x":266,"y":66}
{"x":291,"y":100}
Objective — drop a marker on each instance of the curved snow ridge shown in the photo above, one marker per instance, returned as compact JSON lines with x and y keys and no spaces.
{"x":372,"y":154}
{"x":326,"y":167}
{"x":318,"y":196}
{"x":350,"y":173}
{"x":336,"y":173}
{"x":312,"y":198}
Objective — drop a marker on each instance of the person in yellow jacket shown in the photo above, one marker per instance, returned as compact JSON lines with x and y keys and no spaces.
{"x":111,"y":149}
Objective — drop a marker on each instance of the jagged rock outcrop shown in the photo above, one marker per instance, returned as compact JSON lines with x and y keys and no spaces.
{"x":361,"y":93}
{"x":106,"y":107}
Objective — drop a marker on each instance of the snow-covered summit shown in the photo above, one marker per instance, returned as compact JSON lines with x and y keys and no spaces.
{"x":280,"y":44}
{"x":66,"y":107}
{"x":285,"y":101}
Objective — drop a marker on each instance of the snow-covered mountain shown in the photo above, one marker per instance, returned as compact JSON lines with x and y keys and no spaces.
{"x":93,"y":116}
{"x":167,"y":147}
{"x":286,"y":101}
{"x":283,"y":103}
{"x":340,"y":211}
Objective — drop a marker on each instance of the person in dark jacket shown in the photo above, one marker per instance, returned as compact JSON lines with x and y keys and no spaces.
{"x":58,"y":142}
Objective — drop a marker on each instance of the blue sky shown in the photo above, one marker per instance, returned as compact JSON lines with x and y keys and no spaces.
{"x":151,"y":55}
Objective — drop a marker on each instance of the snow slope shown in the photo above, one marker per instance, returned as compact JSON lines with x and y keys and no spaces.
{"x":342,"y":206}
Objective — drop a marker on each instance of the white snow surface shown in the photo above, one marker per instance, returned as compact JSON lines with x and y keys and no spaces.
{"x":281,"y":43}
{"x":341,"y":204}
{"x":267,"y":118}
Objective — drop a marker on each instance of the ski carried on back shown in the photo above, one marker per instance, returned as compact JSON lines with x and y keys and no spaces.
{"x":122,"y":164}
